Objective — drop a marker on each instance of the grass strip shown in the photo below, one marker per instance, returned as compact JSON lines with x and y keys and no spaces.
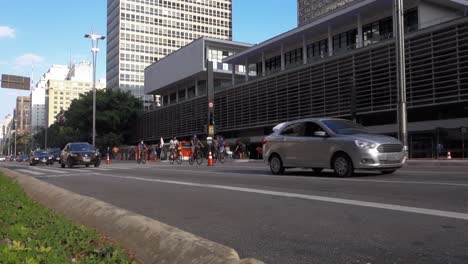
{"x":32,"y":234}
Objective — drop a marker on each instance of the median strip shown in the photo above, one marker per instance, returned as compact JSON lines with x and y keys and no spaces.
{"x":30,"y":233}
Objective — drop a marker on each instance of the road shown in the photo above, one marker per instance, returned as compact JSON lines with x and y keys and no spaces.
{"x":417,"y":215}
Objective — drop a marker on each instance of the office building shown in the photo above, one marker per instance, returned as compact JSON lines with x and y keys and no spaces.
{"x":140,"y":33}
{"x":309,"y":10}
{"x":38,"y":95}
{"x":348,"y":70}
{"x":61,"y":93}
{"x":23,"y":114}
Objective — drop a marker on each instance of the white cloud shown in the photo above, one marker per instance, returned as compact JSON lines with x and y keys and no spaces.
{"x":28,"y":59}
{"x":7,"y":32}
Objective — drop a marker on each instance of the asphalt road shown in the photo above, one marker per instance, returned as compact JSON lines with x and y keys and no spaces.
{"x":417,"y":215}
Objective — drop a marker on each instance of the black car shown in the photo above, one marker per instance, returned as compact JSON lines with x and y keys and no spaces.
{"x":56,"y":153}
{"x":80,"y":153}
{"x":41,"y":157}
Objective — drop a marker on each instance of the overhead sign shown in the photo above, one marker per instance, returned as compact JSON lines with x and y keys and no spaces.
{"x":16,"y":82}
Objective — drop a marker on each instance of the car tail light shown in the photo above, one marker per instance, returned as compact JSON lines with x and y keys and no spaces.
{"x":264,"y":141}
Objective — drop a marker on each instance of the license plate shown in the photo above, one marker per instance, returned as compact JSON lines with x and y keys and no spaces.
{"x":44,"y":160}
{"x":86,"y":160}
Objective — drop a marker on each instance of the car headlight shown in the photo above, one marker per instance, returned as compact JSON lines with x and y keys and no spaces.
{"x":50,"y":157}
{"x":36,"y":158}
{"x":365,"y":144}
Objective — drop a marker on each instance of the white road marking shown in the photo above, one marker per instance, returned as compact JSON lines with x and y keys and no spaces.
{"x":324,"y":178}
{"x":30,"y":172}
{"x":393,"y":207}
{"x":101,"y":169}
{"x":48,"y":170}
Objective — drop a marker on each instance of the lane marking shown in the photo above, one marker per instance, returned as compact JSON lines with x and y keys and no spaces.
{"x":29,"y":172}
{"x":392,"y":207}
{"x":101,"y":169}
{"x":321,"y":178}
{"x":62,"y":175}
{"x":48,"y":170}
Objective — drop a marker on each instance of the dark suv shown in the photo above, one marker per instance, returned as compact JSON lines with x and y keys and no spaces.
{"x":79,"y":153}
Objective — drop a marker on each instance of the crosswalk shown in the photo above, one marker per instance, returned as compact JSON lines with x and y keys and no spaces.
{"x":51,"y":171}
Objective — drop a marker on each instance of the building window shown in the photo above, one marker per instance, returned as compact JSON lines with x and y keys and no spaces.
{"x":273,"y":64}
{"x":345,"y":41}
{"x":318,"y":49}
{"x":293,"y":57}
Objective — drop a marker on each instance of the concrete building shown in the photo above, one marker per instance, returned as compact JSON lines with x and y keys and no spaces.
{"x":38,"y":95}
{"x":23,"y":114}
{"x":60,"y":94}
{"x":140,"y":33}
{"x":309,"y":10}
{"x":81,"y":72}
{"x":343,"y":65}
{"x":6,"y":135}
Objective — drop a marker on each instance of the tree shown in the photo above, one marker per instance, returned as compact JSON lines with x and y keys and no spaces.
{"x":116,"y":112}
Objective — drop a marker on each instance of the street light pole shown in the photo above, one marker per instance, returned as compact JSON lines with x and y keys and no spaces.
{"x":94,"y":50}
{"x":16,"y":131}
{"x":401,"y":78}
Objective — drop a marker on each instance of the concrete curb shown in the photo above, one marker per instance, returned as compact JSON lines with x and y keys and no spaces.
{"x":150,"y":240}
{"x":437,"y":162}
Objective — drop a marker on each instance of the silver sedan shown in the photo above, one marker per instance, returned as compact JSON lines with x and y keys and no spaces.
{"x":331,"y":143}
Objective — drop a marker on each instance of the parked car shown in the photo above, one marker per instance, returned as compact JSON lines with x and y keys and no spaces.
{"x":2,"y":158}
{"x":80,"y":153}
{"x":41,"y":157}
{"x":56,"y":153}
{"x":331,"y":143}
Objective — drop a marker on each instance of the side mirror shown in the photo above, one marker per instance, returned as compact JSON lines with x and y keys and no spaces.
{"x":320,"y":134}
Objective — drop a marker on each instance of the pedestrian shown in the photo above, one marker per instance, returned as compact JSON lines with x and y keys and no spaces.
{"x":259,"y":152}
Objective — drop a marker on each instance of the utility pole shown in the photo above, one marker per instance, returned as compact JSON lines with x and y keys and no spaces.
{"x":401,"y":78}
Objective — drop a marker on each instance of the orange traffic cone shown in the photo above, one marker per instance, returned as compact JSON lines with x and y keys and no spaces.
{"x":449,"y":155}
{"x":210,"y":159}
{"x":107,"y":160}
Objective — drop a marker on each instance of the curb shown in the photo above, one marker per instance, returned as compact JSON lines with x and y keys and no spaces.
{"x":437,"y":162}
{"x":150,"y":240}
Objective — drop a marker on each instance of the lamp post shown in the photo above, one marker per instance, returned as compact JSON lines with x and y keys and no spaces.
{"x":401,"y":78}
{"x":94,"y":50}
{"x":16,"y":131}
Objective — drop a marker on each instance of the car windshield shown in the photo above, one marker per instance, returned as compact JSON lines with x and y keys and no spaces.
{"x":81,"y":147}
{"x":345,"y":127}
{"x":40,"y":152}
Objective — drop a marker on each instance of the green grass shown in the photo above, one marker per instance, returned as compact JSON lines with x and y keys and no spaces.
{"x":38,"y":235}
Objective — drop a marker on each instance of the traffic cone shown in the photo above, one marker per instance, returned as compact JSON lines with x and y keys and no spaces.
{"x":210,"y":159}
{"x":107,"y":159}
{"x":449,"y":155}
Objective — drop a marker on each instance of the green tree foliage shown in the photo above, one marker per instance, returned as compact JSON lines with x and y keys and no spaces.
{"x":115,"y":115}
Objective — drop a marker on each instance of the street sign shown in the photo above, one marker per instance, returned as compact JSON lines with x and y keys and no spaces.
{"x":211,"y":130}
{"x":210,"y":104}
{"x":15,"y":82}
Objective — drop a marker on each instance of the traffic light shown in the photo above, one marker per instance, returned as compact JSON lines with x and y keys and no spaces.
{"x":212,"y":119}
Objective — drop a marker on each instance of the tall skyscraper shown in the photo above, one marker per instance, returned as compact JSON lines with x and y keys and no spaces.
{"x":142,"y":32}
{"x":308,"y":10}
{"x":23,"y":114}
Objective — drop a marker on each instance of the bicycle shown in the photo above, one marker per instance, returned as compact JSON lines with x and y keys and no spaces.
{"x":141,"y":158}
{"x":219,"y":156}
{"x":196,"y":157}
{"x":175,"y":156}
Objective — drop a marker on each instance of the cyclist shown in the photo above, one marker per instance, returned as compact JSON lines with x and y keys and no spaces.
{"x":173,"y":147}
{"x":196,"y":144}
{"x":141,"y":151}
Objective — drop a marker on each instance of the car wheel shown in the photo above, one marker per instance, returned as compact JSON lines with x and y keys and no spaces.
{"x":32,"y":164}
{"x":317,"y":170}
{"x":87,"y":165}
{"x":387,"y":171}
{"x":343,"y":166}
{"x":98,"y":163}
{"x":70,"y":163}
{"x":276,"y":165}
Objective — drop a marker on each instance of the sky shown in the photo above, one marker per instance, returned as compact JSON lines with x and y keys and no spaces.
{"x":50,"y":32}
